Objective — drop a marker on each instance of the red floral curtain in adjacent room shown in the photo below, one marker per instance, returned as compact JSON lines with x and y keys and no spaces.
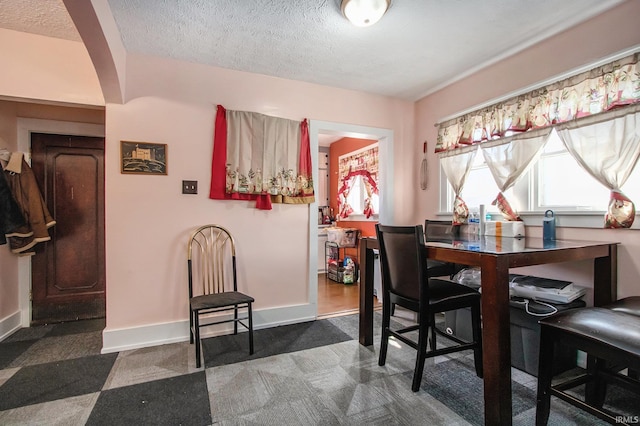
{"x":598,"y":90}
{"x":350,"y":167}
{"x":262,"y":158}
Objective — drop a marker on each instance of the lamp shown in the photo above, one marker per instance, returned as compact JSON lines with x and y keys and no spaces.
{"x":363,"y":13}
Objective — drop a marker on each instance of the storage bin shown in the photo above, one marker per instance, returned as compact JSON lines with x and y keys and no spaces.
{"x":335,"y":272}
{"x":344,"y":237}
{"x":525,"y":335}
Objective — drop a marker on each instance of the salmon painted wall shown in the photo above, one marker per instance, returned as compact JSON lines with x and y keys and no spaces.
{"x":577,"y":47}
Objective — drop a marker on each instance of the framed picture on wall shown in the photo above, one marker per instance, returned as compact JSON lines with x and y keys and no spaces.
{"x":143,"y":158}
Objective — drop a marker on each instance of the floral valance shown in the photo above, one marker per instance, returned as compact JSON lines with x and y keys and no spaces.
{"x":262,"y":158}
{"x":598,"y":90}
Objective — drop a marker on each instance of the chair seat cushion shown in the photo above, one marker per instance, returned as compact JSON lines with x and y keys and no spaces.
{"x":628,"y":305}
{"x":219,"y":300}
{"x":617,"y":330}
{"x":442,"y":291}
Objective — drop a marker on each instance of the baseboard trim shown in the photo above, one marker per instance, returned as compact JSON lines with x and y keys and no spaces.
{"x":116,"y":340}
{"x":10,"y":325}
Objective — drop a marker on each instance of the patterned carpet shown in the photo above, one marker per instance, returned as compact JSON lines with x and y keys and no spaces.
{"x":308,"y":374}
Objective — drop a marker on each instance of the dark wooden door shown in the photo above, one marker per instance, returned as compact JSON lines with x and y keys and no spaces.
{"x":68,"y":272}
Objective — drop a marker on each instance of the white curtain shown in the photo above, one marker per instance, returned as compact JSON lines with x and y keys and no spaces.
{"x":607,"y":146}
{"x":508,"y":159}
{"x":456,"y":167}
{"x":262,"y":153}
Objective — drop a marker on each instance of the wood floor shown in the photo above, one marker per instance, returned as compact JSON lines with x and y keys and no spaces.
{"x":336,"y":297}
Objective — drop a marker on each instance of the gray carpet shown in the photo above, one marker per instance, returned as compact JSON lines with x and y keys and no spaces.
{"x":455,"y":383}
{"x":223,"y":350}
{"x":313,"y":373}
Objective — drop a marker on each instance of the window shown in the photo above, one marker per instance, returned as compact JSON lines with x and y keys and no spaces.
{"x":556,"y":181}
{"x":358,"y":195}
{"x":358,"y":182}
{"x":480,"y":188}
{"x":605,"y":100}
{"x":553,"y":189}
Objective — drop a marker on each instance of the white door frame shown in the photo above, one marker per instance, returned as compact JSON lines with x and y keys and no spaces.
{"x":385,"y":183}
{"x":26,"y":126}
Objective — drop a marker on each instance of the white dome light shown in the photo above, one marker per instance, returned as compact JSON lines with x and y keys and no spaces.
{"x":364,"y":13}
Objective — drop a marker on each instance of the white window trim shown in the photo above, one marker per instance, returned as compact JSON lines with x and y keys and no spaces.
{"x":360,"y":218}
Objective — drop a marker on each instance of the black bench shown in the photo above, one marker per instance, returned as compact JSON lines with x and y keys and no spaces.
{"x":608,"y":337}
{"x":628,"y":305}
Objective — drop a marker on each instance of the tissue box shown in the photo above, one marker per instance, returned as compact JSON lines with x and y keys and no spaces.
{"x":504,"y":229}
{"x":505,"y":244}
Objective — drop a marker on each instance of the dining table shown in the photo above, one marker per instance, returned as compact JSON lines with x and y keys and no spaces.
{"x":495,"y":256}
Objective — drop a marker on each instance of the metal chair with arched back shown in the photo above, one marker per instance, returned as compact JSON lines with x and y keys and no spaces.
{"x":213,"y":284}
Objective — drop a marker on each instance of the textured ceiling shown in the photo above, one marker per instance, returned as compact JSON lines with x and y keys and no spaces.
{"x":417,"y":47}
{"x":43,"y":17}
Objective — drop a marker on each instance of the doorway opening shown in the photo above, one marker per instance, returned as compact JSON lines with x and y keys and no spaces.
{"x":26,"y":127}
{"x":332,"y":297}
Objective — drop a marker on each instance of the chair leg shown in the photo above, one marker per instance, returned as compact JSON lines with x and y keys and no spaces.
{"x":596,"y":389}
{"x":196,"y":329}
{"x":190,"y":326}
{"x":432,"y":327}
{"x":422,"y":352}
{"x":545,"y":375}
{"x":235,"y":317}
{"x":476,"y":324}
{"x":393,"y":309}
{"x":250,"y":314}
{"x":384,"y":339}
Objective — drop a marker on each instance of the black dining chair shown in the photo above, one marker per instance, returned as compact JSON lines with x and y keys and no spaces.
{"x":406,"y":282}
{"x":440,"y":231}
{"x":213,"y":284}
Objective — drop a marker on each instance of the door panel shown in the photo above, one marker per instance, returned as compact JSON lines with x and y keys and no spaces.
{"x":68,"y":276}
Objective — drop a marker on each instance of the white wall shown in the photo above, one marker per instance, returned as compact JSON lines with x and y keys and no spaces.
{"x":595,"y":39}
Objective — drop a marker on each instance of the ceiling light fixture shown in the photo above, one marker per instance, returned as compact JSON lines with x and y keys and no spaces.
{"x":363,"y":13}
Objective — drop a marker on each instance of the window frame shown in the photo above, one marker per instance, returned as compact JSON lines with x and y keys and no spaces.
{"x":360,"y":217}
{"x":526,"y":189}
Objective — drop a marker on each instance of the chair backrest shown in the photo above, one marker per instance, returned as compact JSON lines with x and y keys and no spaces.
{"x":211,"y":261}
{"x":403,"y":260}
{"x":439,"y":230}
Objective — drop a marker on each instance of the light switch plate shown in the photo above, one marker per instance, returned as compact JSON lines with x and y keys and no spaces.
{"x":189,"y":186}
